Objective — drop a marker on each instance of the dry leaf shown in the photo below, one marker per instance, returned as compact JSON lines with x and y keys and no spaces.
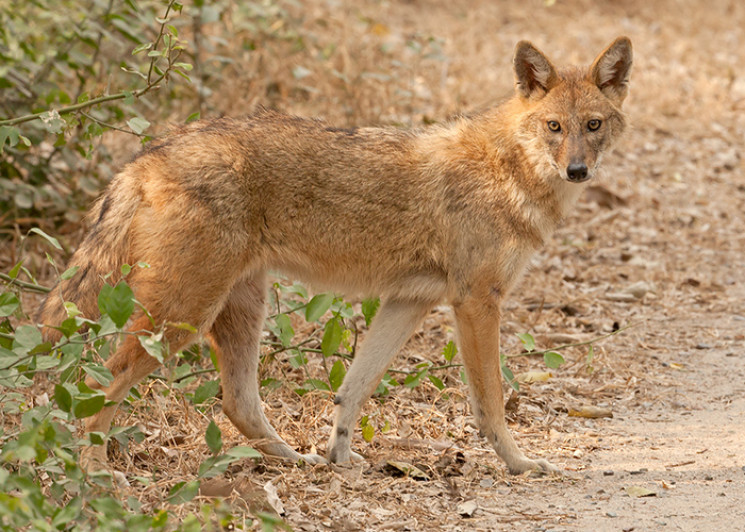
{"x":273,"y":499}
{"x":638,"y":491}
{"x":467,"y":508}
{"x":408,"y":470}
{"x":590,"y":411}
{"x":533,"y":376}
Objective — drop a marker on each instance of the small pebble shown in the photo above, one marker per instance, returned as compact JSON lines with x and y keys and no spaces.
{"x":611,"y":514}
{"x":708,"y":477}
{"x":703,"y":346}
{"x":608,"y":473}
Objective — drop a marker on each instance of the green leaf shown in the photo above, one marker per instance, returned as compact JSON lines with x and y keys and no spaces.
{"x":318,"y":306}
{"x":28,"y":337}
{"x":510,"y":378}
{"x":142,"y":48}
{"x":67,"y":514}
{"x":284,"y":330}
{"x":368,"y":432}
{"x":243,"y":451}
{"x":413,"y":380}
{"x":527,"y":340}
{"x":137,"y":124}
{"x":8,"y":304}
{"x":10,"y":135}
{"x":213,"y":436}
{"x":336,"y":375}
{"x":13,"y":274}
{"x":49,"y":239}
{"x":117,"y":301}
{"x":369,"y":309}
{"x":214,"y":466}
{"x":449,"y":351}
{"x":206,"y":391}
{"x":52,"y":121}
{"x":89,"y":406}
{"x":153,"y":346}
{"x":99,"y":373}
{"x":69,"y":273}
{"x":332,"y":334}
{"x":436,"y":381}
{"x":312,"y":384}
{"x":183,"y":492}
{"x":193,"y":117}
{"x":553,"y":359}
{"x":63,"y":398}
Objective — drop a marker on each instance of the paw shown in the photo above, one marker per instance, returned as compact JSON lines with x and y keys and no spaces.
{"x":312,"y":459}
{"x":339,"y":455}
{"x":538,"y":467}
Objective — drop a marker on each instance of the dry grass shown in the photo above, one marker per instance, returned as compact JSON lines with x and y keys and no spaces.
{"x":669,"y":189}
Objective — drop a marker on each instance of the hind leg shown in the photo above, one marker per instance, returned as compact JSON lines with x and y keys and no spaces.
{"x":235,"y":335}
{"x":193,"y":303}
{"x":129,"y":365}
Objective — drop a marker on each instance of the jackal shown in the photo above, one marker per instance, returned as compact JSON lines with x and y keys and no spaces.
{"x":447,"y":213}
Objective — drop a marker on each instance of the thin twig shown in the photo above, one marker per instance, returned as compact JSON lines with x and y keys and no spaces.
{"x":110,"y":126}
{"x":27,"y":286}
{"x":577,"y":344}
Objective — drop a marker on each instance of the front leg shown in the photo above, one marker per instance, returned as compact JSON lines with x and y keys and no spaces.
{"x":392,"y":326}
{"x":477,"y":322}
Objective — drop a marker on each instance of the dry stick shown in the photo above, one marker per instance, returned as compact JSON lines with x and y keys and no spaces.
{"x":577,"y":344}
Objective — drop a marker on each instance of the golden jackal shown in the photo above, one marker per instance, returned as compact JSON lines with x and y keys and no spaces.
{"x":446,"y":213}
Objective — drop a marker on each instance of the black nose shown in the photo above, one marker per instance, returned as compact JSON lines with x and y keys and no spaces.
{"x":577,"y":172}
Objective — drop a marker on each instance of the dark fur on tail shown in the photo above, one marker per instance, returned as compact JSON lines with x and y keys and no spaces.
{"x":103,"y":252}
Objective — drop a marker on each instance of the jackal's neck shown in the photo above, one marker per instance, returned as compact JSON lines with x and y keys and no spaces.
{"x":486,"y":162}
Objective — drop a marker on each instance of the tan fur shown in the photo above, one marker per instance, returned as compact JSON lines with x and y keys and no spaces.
{"x":447,"y":213}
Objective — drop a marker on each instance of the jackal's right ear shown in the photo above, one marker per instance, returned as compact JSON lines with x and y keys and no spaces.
{"x":610,"y":71}
{"x":534,"y":73}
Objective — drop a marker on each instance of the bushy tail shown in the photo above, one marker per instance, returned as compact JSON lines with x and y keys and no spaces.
{"x":103,"y":251}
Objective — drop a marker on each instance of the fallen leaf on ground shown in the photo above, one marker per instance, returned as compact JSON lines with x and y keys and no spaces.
{"x":639,"y":491}
{"x":590,"y":411}
{"x":467,"y":508}
{"x":408,"y":470}
{"x":273,"y":498}
{"x":533,"y":376}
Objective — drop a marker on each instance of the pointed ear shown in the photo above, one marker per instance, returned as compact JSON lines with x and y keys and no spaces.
{"x":610,"y":71}
{"x":534,"y":73}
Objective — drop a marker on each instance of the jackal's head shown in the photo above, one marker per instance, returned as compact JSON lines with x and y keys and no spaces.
{"x":571,"y":116}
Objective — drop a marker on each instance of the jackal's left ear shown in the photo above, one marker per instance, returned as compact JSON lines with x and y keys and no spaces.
{"x":610,"y":71}
{"x":534,"y":73}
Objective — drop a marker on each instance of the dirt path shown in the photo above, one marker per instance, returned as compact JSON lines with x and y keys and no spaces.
{"x":685,"y":447}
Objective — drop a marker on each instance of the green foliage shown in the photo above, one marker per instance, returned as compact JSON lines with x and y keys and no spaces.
{"x":72,"y":71}
{"x":42,"y":485}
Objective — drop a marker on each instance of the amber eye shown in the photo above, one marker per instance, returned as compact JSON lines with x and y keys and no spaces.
{"x":594,"y":124}
{"x":554,"y":126}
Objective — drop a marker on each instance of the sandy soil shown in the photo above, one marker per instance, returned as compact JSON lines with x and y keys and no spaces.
{"x":657,"y":243}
